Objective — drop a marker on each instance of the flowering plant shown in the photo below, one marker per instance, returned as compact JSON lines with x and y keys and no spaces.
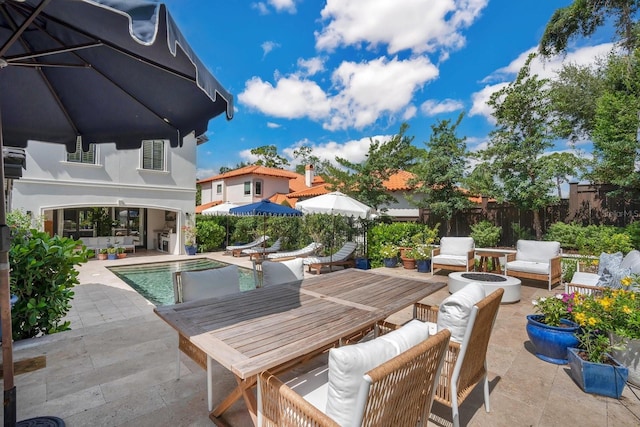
{"x":388,"y":251}
{"x":555,"y":308}
{"x":420,"y":251}
{"x":189,"y":232}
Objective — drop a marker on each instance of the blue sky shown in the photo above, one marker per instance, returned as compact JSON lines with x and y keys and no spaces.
{"x":333,"y":74}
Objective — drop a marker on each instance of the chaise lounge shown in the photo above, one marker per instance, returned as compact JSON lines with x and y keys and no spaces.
{"x":257,"y":252}
{"x":237,"y":249}
{"x":310,"y":249}
{"x":344,"y":258}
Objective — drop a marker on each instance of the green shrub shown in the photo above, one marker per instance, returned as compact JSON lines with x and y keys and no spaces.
{"x":520,"y":232}
{"x":209,"y":235}
{"x":43,"y":275}
{"x":633,"y":231}
{"x":398,"y":234}
{"x":485,"y":234}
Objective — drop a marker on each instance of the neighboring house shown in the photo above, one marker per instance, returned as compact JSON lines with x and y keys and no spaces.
{"x":147,"y":193}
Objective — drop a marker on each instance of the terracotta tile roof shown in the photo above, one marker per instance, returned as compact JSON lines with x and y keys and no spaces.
{"x":316,"y":190}
{"x":398,"y":181}
{"x":299,"y":183}
{"x":253,"y":170}
{"x":200,"y":208}
{"x":279,"y":198}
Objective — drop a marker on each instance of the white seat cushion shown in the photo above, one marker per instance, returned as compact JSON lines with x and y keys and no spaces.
{"x":348,"y":364}
{"x":450,"y":260}
{"x":454,"y":311}
{"x":210,"y":283}
{"x":587,"y":279}
{"x":528,"y":267}
{"x":456,"y":246}
{"x":536,"y":251}
{"x":275,"y":273}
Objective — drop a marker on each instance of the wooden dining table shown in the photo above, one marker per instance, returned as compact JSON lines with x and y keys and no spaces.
{"x":275,"y":327}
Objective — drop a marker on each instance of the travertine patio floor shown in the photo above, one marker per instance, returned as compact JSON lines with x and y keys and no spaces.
{"x":116,"y":367}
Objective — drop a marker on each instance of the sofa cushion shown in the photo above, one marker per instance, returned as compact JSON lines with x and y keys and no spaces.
{"x":528,"y":267}
{"x":348,"y":364}
{"x":213,"y":282}
{"x":612,"y":276}
{"x":450,"y":260}
{"x":632,"y":261}
{"x":608,"y":261}
{"x":275,"y":273}
{"x":536,"y":251}
{"x":583,"y":278}
{"x":456,"y":246}
{"x":454,"y":311}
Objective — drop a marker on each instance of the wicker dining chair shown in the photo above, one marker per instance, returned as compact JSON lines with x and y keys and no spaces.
{"x":398,"y":392}
{"x":465,"y":364}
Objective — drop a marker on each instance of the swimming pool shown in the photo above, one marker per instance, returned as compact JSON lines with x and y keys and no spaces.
{"x":154,"y":281}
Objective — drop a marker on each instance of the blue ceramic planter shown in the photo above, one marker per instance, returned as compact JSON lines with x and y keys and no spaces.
{"x":551,"y":342}
{"x":598,"y":378}
{"x":363,"y":263}
{"x":423,"y":265}
{"x":190,"y":250}
{"x":390,"y":262}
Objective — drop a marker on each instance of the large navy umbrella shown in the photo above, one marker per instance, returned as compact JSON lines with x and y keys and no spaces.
{"x":94,"y":71}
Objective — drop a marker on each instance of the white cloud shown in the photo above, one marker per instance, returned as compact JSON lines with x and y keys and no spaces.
{"x":268,"y":46}
{"x":354,"y":150}
{"x":246,"y":156}
{"x":284,"y":5}
{"x":291,"y":98}
{"x":416,"y":25}
{"x":311,"y":66}
{"x":272,"y":125}
{"x":409,"y":112}
{"x":206,"y":173}
{"x":432,"y":107}
{"x":261,"y":7}
{"x":479,"y":101}
{"x":369,"y":89}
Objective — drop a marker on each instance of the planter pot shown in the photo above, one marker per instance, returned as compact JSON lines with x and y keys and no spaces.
{"x":122,"y":255}
{"x":190,"y":249}
{"x":390,"y":262}
{"x":409,"y":263}
{"x":551,"y":342}
{"x":423,"y":265}
{"x":101,"y":256}
{"x":112,"y":256}
{"x":628,"y":356}
{"x":597,"y":378}
{"x":363,"y":263}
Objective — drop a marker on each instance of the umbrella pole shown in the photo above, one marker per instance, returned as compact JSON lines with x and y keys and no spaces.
{"x":5,"y":306}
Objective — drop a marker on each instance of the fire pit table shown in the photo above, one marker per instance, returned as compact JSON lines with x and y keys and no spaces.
{"x":490,"y":282}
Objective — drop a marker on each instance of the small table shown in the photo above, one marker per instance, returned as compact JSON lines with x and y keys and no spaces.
{"x":490,"y":282}
{"x":495,"y":255}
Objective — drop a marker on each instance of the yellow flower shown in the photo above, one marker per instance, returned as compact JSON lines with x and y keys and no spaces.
{"x":593,"y":321}
{"x":580,"y":318}
{"x":605,"y":303}
{"x":627,"y":281}
{"x":626,"y":310}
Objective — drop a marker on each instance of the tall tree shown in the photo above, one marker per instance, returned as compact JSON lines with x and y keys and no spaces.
{"x":304,"y":156}
{"x":562,"y":167}
{"x":584,"y":17}
{"x":268,"y":156}
{"x":440,"y":171}
{"x":364,"y":181}
{"x":522,"y":112}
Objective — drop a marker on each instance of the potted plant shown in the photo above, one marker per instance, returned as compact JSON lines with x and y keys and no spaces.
{"x":102,"y":254}
{"x":422,"y":254}
{"x":625,"y":336}
{"x":189,"y":231}
{"x":111,"y":252}
{"x":407,"y":257}
{"x":120,"y":252}
{"x":552,"y":330}
{"x":593,"y":367}
{"x":389,"y":254}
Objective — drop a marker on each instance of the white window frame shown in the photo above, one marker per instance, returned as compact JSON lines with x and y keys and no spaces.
{"x":83,"y":158}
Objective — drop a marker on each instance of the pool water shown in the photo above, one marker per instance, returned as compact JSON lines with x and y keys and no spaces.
{"x":154,"y":281}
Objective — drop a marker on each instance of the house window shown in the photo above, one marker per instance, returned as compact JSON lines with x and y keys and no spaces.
{"x":80,"y":156}
{"x":153,"y":155}
{"x":247,"y":188}
{"x":219,"y":189}
{"x":258,"y":188}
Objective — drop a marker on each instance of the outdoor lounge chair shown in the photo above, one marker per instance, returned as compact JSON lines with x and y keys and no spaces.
{"x":237,"y":250}
{"x":536,"y":260}
{"x":470,"y":318}
{"x":198,"y":284}
{"x":374,"y":383}
{"x":310,"y":249}
{"x":454,"y":253}
{"x":344,"y":257}
{"x":257,"y":252}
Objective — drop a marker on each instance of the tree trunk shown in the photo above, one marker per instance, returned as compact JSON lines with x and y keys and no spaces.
{"x":536,"y":224}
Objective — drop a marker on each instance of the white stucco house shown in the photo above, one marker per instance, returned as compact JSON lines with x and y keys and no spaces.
{"x":147,"y":193}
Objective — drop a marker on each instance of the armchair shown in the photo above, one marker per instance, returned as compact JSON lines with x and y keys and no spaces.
{"x":536,"y":260}
{"x":396,"y":392}
{"x":454,"y":253}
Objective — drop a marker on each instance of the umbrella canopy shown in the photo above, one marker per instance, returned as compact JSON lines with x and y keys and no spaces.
{"x":335,"y":203}
{"x":94,"y":71}
{"x":265,"y":208}
{"x":106,"y":70}
{"x":221,"y":209}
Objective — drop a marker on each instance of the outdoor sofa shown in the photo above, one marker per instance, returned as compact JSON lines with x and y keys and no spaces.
{"x":611,"y":269}
{"x":103,"y":242}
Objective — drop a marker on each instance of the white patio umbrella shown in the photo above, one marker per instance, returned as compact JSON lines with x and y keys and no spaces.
{"x":335,"y":203}
{"x":221,"y":209}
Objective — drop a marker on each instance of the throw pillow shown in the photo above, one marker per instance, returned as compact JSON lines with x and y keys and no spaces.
{"x":454,"y":311}
{"x":608,"y":261}
{"x":612,"y":277}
